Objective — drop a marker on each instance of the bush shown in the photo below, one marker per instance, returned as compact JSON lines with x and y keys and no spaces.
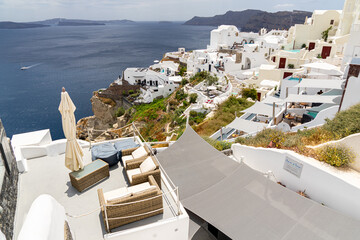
{"x":131,"y":92}
{"x":219,"y":145}
{"x":345,"y":122}
{"x":336,"y":155}
{"x":291,"y":66}
{"x":303,"y":46}
{"x":249,"y":93}
{"x":180,"y":95}
{"x":120,"y":111}
{"x":193,"y":97}
{"x":186,"y":103}
{"x":182,"y":71}
{"x":184,"y":81}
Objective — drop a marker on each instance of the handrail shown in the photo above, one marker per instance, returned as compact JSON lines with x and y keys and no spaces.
{"x":136,"y":132}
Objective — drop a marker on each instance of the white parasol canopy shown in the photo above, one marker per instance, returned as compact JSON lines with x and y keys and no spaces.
{"x":73,"y":154}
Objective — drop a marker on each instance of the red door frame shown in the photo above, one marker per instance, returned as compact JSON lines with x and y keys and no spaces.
{"x":259,"y":96}
{"x":282,"y":62}
{"x":311,"y":46}
{"x":326,"y":50}
{"x":286,"y":74}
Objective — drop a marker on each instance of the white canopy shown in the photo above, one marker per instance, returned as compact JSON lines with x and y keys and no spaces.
{"x":269,"y":83}
{"x":262,"y":108}
{"x":311,"y":98}
{"x":246,"y":125}
{"x":331,"y":69}
{"x":271,"y":100}
{"x":320,"y":83}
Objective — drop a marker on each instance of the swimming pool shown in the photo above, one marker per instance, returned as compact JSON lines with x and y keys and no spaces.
{"x":294,"y":50}
{"x":294,"y":79}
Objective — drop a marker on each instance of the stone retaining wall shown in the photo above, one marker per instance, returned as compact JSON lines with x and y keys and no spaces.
{"x":8,"y":194}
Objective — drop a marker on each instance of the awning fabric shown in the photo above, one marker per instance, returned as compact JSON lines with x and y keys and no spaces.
{"x":320,"y":83}
{"x":329,"y":68}
{"x":271,"y":100}
{"x":241,"y":202}
{"x":311,"y":98}
{"x":262,"y":108}
{"x":246,"y":125}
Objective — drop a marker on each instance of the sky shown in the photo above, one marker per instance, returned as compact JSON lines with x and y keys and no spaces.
{"x":146,"y":10}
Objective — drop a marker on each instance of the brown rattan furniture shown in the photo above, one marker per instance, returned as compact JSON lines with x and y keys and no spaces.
{"x":89,"y":175}
{"x":133,"y":154}
{"x":132,"y":207}
{"x":142,"y":177}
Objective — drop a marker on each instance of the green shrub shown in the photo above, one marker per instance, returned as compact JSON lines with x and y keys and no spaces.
{"x":186,"y":103}
{"x":131,"y":92}
{"x":249,"y":93}
{"x":184,"y":81}
{"x":193,"y":97}
{"x":120,"y":111}
{"x":291,"y":66}
{"x":303,"y":46}
{"x":336,"y":155}
{"x":180,"y":95}
{"x":182,"y":71}
{"x":219,"y":145}
{"x":345,"y":123}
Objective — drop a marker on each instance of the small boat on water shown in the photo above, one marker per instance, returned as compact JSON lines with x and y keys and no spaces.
{"x":24,"y":68}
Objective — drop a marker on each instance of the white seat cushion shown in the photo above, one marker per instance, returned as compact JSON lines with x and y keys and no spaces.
{"x":148,"y":165}
{"x":140,"y":152}
{"x":132,"y":172}
{"x":139,"y":187}
{"x":117,"y":194}
{"x":126,"y":158}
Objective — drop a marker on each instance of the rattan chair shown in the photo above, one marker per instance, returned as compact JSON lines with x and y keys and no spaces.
{"x":127,"y":155}
{"x":142,"y":177}
{"x":138,"y":206}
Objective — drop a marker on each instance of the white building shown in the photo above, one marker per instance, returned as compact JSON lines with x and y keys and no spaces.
{"x":320,"y":21}
{"x":154,"y":84}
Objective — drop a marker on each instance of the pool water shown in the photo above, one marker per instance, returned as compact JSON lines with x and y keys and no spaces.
{"x":294,"y":50}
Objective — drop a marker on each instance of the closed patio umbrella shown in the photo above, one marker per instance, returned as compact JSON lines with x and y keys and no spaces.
{"x":73,"y":153}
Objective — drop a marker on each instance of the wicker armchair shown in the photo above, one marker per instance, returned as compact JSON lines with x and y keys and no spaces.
{"x":129,"y":155}
{"x":139,"y":205}
{"x":142,"y":177}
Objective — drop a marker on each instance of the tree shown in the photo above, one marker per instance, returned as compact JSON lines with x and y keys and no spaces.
{"x":182,"y":71}
{"x":193,"y":97}
{"x":249,"y":93}
{"x":325,"y":34}
{"x":210,"y":80}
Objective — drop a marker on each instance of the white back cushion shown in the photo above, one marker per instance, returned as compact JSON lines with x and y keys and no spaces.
{"x":148,"y":165}
{"x":140,"y":152}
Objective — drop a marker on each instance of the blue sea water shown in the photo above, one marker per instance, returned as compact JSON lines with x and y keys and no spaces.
{"x":82,"y":59}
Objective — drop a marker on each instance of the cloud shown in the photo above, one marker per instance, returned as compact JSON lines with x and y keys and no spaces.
{"x":284,"y":6}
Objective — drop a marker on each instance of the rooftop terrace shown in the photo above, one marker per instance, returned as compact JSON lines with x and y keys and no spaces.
{"x":48,"y":175}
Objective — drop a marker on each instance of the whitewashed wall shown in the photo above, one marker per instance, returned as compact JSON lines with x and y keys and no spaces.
{"x":176,"y":228}
{"x":335,"y":188}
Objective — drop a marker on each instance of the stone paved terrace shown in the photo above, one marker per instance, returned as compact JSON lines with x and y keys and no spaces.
{"x":48,"y":175}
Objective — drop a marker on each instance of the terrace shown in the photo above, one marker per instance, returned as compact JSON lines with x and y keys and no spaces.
{"x":48,"y":175}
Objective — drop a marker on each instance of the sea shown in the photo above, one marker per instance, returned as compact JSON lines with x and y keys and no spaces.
{"x":82,"y":59}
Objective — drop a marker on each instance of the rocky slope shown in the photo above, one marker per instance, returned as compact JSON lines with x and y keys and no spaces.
{"x":253,"y":20}
{"x":105,"y":104}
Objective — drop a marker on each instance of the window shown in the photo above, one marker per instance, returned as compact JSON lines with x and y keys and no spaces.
{"x":332,"y":22}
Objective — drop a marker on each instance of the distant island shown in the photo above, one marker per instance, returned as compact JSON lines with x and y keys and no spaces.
{"x":68,"y":23}
{"x":61,"y":22}
{"x":165,"y":22}
{"x":253,"y":20}
{"x":14,"y":25}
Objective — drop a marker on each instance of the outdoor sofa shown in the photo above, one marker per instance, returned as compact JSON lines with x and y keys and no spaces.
{"x":130,"y":204}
